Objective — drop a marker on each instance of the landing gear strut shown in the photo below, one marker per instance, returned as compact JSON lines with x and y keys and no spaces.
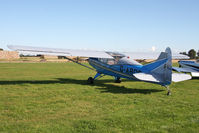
{"x":97,"y":76}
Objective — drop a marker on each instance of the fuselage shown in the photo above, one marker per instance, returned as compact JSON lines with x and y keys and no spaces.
{"x":156,"y":72}
{"x":116,"y":70}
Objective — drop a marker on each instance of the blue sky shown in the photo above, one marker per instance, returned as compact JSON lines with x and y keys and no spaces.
{"x":119,"y":25}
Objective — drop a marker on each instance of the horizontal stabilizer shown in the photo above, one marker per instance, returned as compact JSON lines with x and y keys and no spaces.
{"x":178,"y":77}
{"x":145,"y":77}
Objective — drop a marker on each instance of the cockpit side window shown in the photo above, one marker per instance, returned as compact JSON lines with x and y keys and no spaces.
{"x":108,"y":61}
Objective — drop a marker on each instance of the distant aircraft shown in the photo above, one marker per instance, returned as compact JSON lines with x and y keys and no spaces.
{"x":117,"y":65}
{"x":188,"y":67}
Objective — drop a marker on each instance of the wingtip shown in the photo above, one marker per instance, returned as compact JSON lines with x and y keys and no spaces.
{"x":9,"y":46}
{"x":12,"y":47}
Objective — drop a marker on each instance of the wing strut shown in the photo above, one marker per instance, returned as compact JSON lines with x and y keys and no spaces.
{"x":80,"y":64}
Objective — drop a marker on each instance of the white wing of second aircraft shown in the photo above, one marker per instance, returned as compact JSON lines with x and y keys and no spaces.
{"x":59,"y":52}
{"x":194,"y":73}
{"x":186,"y":70}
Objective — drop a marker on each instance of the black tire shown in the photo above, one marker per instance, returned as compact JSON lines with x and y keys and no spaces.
{"x":90,"y":80}
{"x":118,"y":80}
{"x":168,"y":93}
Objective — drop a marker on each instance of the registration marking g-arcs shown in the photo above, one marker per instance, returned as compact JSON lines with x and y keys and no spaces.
{"x":128,"y":70}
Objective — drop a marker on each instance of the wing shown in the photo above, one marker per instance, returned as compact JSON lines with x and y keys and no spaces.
{"x":152,"y":55}
{"x":186,"y":70}
{"x":59,"y":52}
{"x":194,"y":73}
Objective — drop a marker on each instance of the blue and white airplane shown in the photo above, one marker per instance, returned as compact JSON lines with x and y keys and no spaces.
{"x":188,"y":67}
{"x":117,"y":65}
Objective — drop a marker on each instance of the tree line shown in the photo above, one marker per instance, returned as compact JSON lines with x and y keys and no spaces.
{"x":192,"y":54}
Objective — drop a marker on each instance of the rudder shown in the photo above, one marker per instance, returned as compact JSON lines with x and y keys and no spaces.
{"x":161,"y":69}
{"x":164,"y":72}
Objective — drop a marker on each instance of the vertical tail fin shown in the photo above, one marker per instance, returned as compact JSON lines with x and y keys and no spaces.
{"x":161,"y":69}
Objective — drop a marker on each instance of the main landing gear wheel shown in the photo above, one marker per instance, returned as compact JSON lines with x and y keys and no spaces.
{"x":118,"y":80}
{"x":90,"y":80}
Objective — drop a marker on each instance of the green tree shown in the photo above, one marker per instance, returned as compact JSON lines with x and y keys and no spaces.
{"x":184,"y":53}
{"x":192,"y":54}
{"x":1,"y":49}
{"x":198,"y":53}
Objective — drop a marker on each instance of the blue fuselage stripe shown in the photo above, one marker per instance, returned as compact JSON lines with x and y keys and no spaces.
{"x":98,"y":64}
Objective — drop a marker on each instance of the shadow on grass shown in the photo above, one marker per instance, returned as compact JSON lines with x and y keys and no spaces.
{"x":111,"y":88}
{"x":102,"y":84}
{"x":195,"y":77}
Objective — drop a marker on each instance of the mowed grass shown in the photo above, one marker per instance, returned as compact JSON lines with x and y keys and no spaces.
{"x":55,"y":97}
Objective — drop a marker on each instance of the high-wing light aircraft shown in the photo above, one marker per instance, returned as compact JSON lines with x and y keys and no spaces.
{"x":117,"y":65}
{"x":188,"y":67}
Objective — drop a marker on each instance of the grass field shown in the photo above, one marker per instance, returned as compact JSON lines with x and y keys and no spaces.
{"x":55,"y":97}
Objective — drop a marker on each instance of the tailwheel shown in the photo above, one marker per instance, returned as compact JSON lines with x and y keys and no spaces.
{"x":118,"y":80}
{"x":169,"y":91}
{"x":90,"y":80}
